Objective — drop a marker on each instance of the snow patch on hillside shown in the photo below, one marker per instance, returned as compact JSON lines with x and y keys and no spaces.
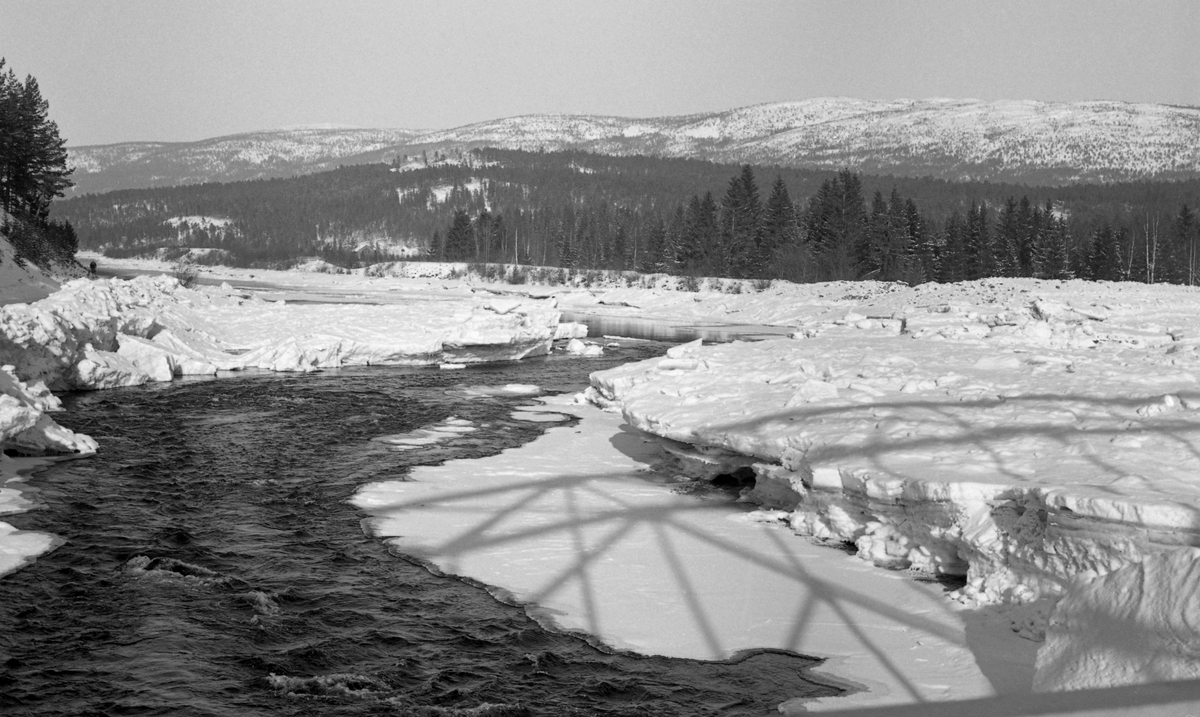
{"x":200,"y":221}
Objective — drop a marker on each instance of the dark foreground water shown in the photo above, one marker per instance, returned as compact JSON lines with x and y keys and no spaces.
{"x":213,"y":567}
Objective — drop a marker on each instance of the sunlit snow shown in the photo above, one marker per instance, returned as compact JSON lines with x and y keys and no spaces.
{"x":1036,"y":440}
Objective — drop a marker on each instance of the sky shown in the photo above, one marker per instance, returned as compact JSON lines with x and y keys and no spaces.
{"x":152,"y":70}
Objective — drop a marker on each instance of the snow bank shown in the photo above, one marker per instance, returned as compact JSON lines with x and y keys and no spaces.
{"x":26,"y":428}
{"x":1018,"y":433}
{"x":1136,"y":624}
{"x":101,"y":334}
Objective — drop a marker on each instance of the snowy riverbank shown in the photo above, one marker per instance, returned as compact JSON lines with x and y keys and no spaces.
{"x":1038,"y":439}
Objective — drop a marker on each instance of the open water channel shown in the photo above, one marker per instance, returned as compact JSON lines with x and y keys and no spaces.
{"x":212,"y":566}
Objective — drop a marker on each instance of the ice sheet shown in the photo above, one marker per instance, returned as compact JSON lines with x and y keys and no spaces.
{"x":575,"y":526}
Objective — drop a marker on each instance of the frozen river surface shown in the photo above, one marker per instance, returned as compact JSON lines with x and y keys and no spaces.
{"x":212,"y":566}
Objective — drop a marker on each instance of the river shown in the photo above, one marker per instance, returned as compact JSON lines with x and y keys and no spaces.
{"x":212,"y":566}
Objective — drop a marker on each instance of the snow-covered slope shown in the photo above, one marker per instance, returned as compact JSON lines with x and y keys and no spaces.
{"x":252,"y":155}
{"x":1043,"y":142}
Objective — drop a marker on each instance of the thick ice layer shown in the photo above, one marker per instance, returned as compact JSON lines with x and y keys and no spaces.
{"x":575,"y":525}
{"x":102,"y":334}
{"x":1022,"y":435}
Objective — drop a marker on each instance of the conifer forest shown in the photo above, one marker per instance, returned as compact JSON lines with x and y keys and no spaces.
{"x":677,"y":216}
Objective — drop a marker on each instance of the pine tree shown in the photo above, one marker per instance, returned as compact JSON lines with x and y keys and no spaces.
{"x":33,"y":158}
{"x":690,"y":252}
{"x":922,"y":252}
{"x":1187,"y":246}
{"x":652,"y":257}
{"x":460,"y":237}
{"x":871,"y":252}
{"x":835,"y":225}
{"x":620,"y":249}
{"x":1105,"y":261}
{"x":779,"y":227}
{"x":1028,"y":226}
{"x":1004,"y":245}
{"x":952,"y":258}
{"x":980,"y":260}
{"x":741,"y":226}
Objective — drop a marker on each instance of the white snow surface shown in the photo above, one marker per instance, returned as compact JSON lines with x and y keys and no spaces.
{"x":1029,"y":435}
{"x":576,"y":527}
{"x":1038,"y":438}
{"x":100,"y":334}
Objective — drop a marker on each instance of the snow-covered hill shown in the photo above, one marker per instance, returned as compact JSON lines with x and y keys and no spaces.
{"x":1036,"y":142}
{"x":272,"y":153}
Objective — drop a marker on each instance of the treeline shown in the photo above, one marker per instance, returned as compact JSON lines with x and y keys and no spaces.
{"x":575,"y":209}
{"x":838,"y":235}
{"x":33,"y":171}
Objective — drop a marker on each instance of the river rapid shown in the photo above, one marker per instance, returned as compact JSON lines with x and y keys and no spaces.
{"x":212,"y":566}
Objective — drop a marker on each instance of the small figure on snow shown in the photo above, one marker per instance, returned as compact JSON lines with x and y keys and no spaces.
{"x":92,"y":270}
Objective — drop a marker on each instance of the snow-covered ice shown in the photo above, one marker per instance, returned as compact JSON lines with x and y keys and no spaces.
{"x":574,"y":525}
{"x":1031,"y":436}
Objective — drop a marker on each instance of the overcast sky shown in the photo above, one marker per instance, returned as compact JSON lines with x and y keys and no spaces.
{"x":118,"y":70}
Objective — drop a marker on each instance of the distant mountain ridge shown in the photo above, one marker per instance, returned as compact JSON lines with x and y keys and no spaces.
{"x":1021,"y":141}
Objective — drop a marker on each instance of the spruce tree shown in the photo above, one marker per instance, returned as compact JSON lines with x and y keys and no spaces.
{"x":460,"y":237}
{"x":741,"y":226}
{"x":836,"y":225}
{"x":980,"y":260}
{"x":652,"y":257}
{"x":922,"y":252}
{"x":1105,"y":261}
{"x":1187,"y":246}
{"x":1028,"y":226}
{"x":1004,"y":246}
{"x":779,"y":227}
{"x":953,"y":259}
{"x":871,"y":252}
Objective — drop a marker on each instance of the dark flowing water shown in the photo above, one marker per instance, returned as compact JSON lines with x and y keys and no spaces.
{"x":212,"y":566}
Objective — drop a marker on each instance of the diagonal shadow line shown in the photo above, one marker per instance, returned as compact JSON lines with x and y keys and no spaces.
{"x":471,"y":541}
{"x":688,"y":591}
{"x":820,"y":594}
{"x":658,"y":515}
{"x":886,"y":661}
{"x":584,"y":561}
{"x":867,"y":603}
{"x":800,"y":622}
{"x":496,"y":517}
{"x":982,"y":437}
{"x":590,"y":607}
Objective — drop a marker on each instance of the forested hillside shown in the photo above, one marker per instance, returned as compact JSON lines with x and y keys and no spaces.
{"x":582,"y":210}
